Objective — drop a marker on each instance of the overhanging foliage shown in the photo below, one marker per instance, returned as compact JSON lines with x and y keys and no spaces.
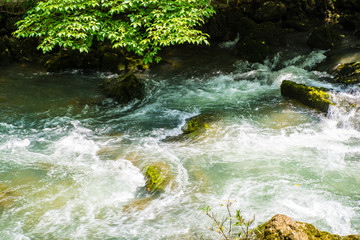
{"x":140,"y":26}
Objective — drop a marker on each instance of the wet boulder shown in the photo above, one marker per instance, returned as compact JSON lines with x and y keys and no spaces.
{"x":313,"y":97}
{"x":347,"y":73}
{"x":338,"y":57}
{"x":124,"y":89}
{"x":246,"y":26}
{"x":270,"y":11}
{"x":197,"y":123}
{"x":282,"y":227}
{"x":195,"y":126}
{"x":323,"y":37}
{"x":261,"y":41}
{"x":158,"y":177}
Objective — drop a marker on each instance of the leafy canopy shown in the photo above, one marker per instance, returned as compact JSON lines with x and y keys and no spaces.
{"x":140,"y":26}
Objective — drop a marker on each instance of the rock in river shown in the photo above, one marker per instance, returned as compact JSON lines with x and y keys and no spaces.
{"x":124,"y":89}
{"x":313,"y":97}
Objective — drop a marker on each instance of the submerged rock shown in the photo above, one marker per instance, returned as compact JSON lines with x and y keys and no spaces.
{"x":323,"y":37}
{"x":347,"y":73}
{"x":282,"y":227}
{"x":313,"y":97}
{"x":7,"y":197}
{"x":124,"y":89}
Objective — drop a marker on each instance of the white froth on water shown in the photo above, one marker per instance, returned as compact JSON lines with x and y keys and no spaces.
{"x":78,"y":172}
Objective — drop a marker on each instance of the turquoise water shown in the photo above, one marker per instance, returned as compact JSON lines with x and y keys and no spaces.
{"x":73,"y":160}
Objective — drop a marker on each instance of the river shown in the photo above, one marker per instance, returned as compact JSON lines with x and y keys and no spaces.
{"x":73,"y":161}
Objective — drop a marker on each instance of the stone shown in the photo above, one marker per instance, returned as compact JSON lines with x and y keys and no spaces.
{"x":316,"y":98}
{"x":124,"y":89}
{"x":347,"y":73}
{"x":282,"y":227}
{"x":158,"y":177}
{"x":338,"y":57}
{"x":195,"y":126}
{"x":261,"y":41}
{"x":323,"y":37}
{"x":246,"y":26}
{"x":197,"y":123}
{"x":270,"y":11}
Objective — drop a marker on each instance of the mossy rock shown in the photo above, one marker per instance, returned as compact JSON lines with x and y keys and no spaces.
{"x":197,"y":123}
{"x":347,"y":73}
{"x":158,"y":177}
{"x":136,"y":64}
{"x":323,"y":37}
{"x":313,"y":97}
{"x":124,"y":89}
{"x":282,"y":227}
{"x":195,"y":127}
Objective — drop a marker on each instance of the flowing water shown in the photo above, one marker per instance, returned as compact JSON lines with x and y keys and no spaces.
{"x":72,"y":162}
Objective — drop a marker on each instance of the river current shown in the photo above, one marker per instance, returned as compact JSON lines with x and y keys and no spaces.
{"x":74,"y":160}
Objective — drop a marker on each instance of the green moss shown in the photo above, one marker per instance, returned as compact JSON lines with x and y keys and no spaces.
{"x":312,"y":97}
{"x":158,"y":177}
{"x":154,"y":179}
{"x":199,"y":123}
{"x":125,"y":89}
{"x":348,"y":73}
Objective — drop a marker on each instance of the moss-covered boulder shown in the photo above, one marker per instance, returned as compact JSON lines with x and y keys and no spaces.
{"x":282,"y":227}
{"x":347,"y":73}
{"x":313,"y":97}
{"x":197,"y":123}
{"x":124,"y":89}
{"x":323,"y":37}
{"x":195,"y":127}
{"x":158,"y":177}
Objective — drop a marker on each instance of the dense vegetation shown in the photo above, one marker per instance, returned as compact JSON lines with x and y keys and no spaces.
{"x":140,"y":26}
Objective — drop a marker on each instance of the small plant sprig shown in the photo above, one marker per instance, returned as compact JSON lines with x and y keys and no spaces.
{"x":232,"y":228}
